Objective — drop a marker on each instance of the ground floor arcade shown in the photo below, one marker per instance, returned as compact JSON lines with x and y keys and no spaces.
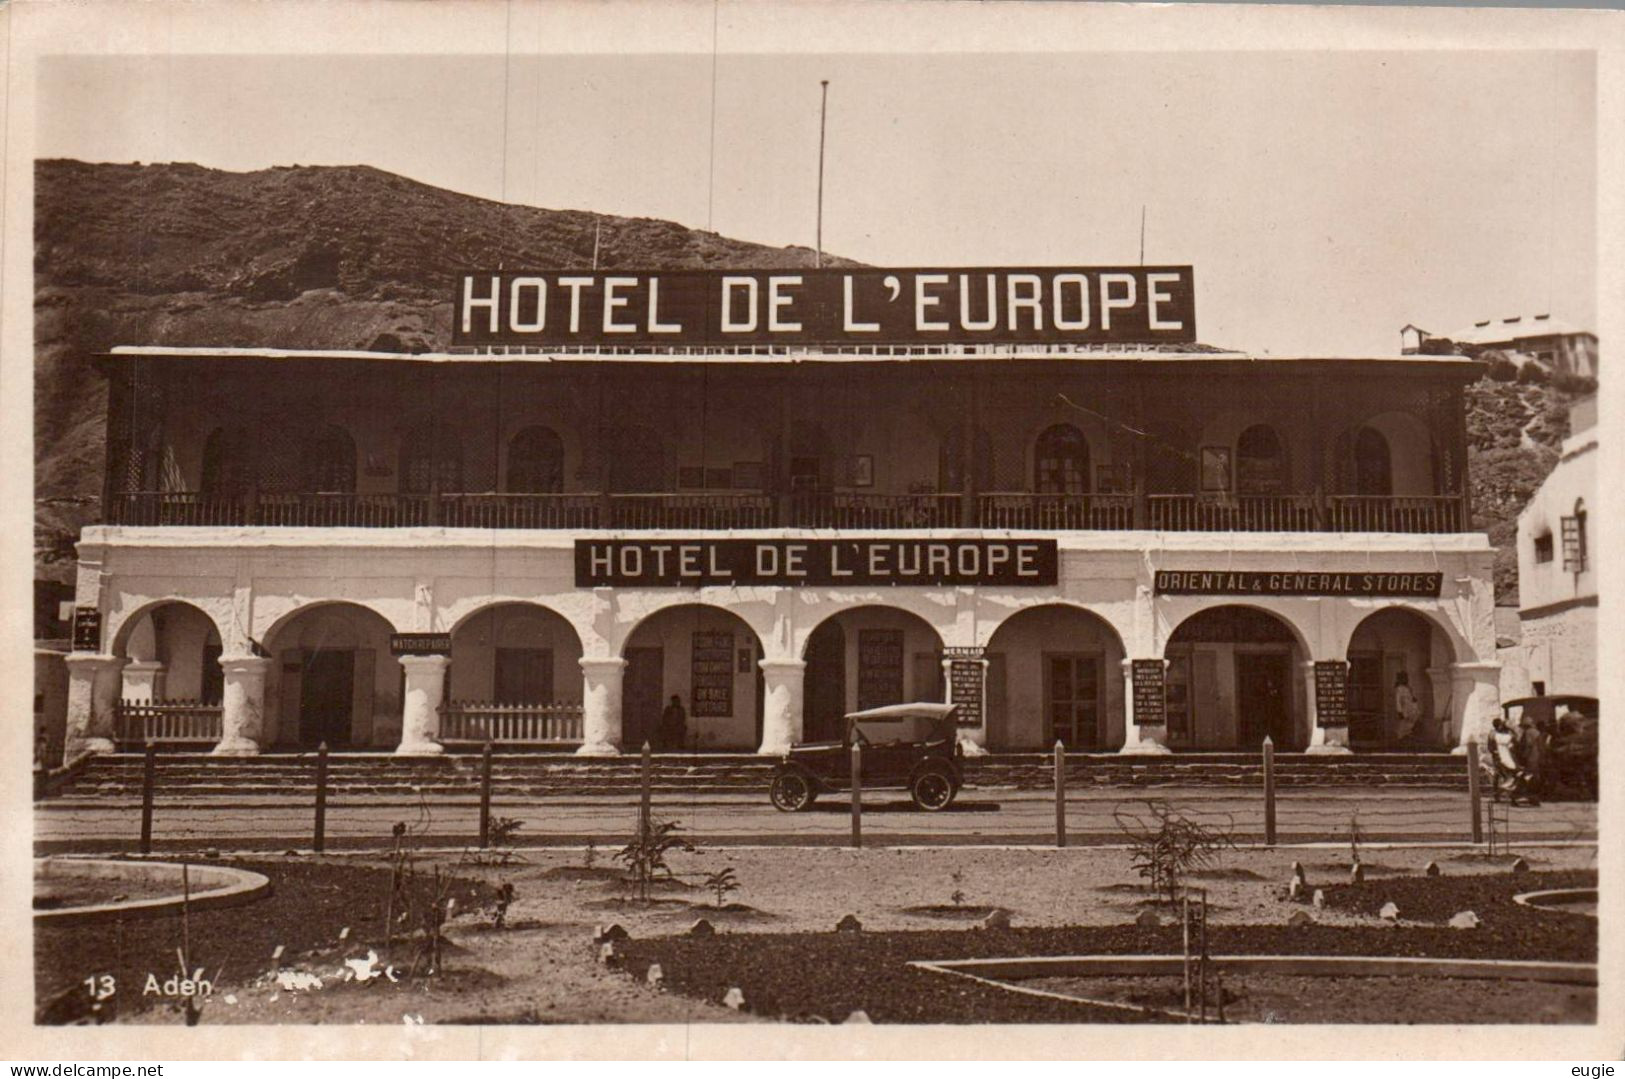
{"x":371,"y":650}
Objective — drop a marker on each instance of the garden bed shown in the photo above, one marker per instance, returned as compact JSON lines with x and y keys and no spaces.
{"x":826,"y":976}
{"x":310,"y":903}
{"x":1435,"y":900}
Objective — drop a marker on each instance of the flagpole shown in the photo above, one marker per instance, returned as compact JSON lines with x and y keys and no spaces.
{"x":823,"y":110}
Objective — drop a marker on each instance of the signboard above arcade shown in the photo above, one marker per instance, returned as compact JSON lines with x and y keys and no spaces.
{"x":1048,"y":305}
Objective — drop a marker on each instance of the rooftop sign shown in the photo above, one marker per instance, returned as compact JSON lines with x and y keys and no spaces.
{"x":1046,"y":305}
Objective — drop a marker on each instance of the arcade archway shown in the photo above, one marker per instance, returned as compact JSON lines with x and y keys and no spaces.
{"x":707,"y":658}
{"x":1398,"y":682}
{"x":1054,"y":673}
{"x":866,"y":657}
{"x":1235,"y":675}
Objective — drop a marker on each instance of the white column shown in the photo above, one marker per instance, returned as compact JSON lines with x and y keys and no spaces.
{"x":1137,"y":740}
{"x":782,"y":685}
{"x":601,"y":706}
{"x":1476,"y":701}
{"x":143,"y":680}
{"x":420,"y":712}
{"x":93,"y":687}
{"x":1323,"y":741}
{"x":242,"y":706}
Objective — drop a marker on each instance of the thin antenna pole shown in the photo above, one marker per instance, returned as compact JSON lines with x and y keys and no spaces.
{"x":823,"y":111}
{"x":597,"y":226}
{"x":1142,"y":234}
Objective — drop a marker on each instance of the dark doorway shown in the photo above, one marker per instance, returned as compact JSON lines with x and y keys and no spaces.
{"x":326,"y":693}
{"x":213,"y":687}
{"x":641,"y":696}
{"x":824,"y":693}
{"x":1072,"y":699}
{"x":1263,"y":682}
{"x":524,"y":676}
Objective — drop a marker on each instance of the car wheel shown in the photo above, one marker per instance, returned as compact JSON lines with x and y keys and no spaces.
{"x":933,"y":790}
{"x":791,"y":792}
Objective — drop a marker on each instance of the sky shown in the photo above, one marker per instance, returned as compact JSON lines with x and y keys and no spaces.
{"x":1325,"y":199}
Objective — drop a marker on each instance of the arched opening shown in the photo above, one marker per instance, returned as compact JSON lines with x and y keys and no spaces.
{"x":1261,"y":467}
{"x":867,"y":657}
{"x":333,"y":680}
{"x":1061,"y":461}
{"x":514,"y":679}
{"x":432,"y":461}
{"x":327,"y":462}
{"x":1235,"y":675}
{"x":708,"y":659}
{"x":174,"y":653}
{"x":1054,"y":673}
{"x":951,"y":461}
{"x":1373,"y":463}
{"x":1393,"y":702}
{"x":637,"y":461}
{"x":536,"y":462}
{"x":226,"y":471}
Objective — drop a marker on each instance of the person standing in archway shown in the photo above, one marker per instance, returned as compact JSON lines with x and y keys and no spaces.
{"x":1406,"y":707}
{"x":673,"y":729}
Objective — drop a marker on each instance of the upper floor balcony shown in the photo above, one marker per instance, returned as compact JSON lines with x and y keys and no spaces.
{"x":1178,"y":443}
{"x":1001,"y":510}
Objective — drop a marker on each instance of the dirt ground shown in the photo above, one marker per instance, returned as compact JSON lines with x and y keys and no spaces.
{"x":542,"y":966}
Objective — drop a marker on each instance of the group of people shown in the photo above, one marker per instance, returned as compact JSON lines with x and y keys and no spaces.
{"x":1520,"y":758}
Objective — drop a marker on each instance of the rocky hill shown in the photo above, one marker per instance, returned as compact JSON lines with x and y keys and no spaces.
{"x":352,"y":257}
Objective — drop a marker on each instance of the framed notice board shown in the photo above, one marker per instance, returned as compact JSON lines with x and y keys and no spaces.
{"x":1150,"y":694}
{"x":967,"y":678}
{"x":712,"y":688}
{"x":1332,"y":693}
{"x":880,"y":667}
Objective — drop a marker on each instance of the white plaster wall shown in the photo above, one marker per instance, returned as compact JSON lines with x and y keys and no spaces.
{"x":375,"y":704}
{"x":1568,"y":642}
{"x":474,"y":645}
{"x":673,"y":632}
{"x":1574,"y":478}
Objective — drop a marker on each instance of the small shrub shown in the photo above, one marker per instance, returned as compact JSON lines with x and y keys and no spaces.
{"x":503,"y":830}
{"x":721,"y":883}
{"x":645,"y":855}
{"x":1532,"y":373}
{"x":499,"y":915}
{"x":589,"y":857}
{"x":1166,"y":845}
{"x":958,"y":896}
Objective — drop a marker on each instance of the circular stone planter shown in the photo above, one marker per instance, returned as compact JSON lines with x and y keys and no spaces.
{"x":1567,"y":900}
{"x":211,"y":887}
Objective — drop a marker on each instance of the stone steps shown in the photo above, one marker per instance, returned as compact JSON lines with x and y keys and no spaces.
{"x":118,"y":776}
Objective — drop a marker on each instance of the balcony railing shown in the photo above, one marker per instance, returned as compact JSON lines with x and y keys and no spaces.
{"x":1016,"y":510}
{"x":1060,"y":513}
{"x":138,"y":722}
{"x":558,"y":723}
{"x":868,"y":511}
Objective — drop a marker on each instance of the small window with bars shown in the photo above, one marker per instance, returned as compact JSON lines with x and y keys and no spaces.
{"x":1543,"y":547}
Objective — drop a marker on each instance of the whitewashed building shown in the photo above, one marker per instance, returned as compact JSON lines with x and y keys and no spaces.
{"x":1135,"y":548}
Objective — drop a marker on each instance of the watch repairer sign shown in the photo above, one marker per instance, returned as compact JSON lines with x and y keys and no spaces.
{"x":1030,"y":305}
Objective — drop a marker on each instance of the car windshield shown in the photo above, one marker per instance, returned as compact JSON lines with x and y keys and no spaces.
{"x":891,"y":731}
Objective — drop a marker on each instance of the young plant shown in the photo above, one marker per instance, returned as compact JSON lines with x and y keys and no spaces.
{"x":1166,"y":846}
{"x":589,"y":858}
{"x":721,"y":883}
{"x":499,"y":916}
{"x":958,"y":896}
{"x":645,"y":855}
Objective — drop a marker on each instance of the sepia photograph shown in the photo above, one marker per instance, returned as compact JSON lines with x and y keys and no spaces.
{"x":766,"y":529}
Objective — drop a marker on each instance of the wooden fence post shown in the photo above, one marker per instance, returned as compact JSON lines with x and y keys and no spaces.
{"x":1269,"y":792}
{"x":147,"y":767}
{"x":643,"y":804}
{"x":1473,"y":792}
{"x":1060,"y":794}
{"x":857,"y":795}
{"x":320,"y":841}
{"x":485,"y":796}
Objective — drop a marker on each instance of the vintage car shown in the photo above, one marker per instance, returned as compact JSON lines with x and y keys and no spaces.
{"x":914,"y":746}
{"x":1570,"y":720}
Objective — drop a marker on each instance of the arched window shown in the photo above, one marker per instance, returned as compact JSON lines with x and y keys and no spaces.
{"x":1260,"y":462}
{"x":1061,"y":461}
{"x":1574,"y":539}
{"x":1373,"y":463}
{"x":431,"y":461}
{"x":536,"y":461}
{"x":951,"y":461}
{"x":225,"y":464}
{"x":637,"y":460}
{"x":327,"y":461}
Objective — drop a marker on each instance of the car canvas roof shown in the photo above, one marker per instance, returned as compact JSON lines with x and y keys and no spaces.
{"x":928,"y":709}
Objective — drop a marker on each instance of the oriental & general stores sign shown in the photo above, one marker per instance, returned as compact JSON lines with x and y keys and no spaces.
{"x":1047,"y":305}
{"x":1186,"y":582}
{"x":695,"y":563}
